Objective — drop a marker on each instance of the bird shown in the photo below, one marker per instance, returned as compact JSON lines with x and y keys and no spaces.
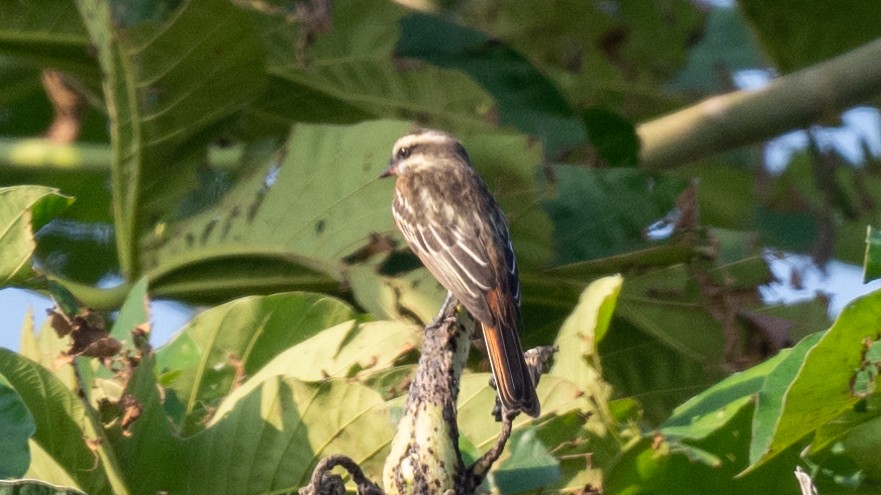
{"x":454,"y":225}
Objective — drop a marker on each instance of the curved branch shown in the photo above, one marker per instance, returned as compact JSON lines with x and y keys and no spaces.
{"x":796,"y":100}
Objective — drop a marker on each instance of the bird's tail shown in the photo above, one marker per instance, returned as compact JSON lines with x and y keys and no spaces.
{"x":513,"y":380}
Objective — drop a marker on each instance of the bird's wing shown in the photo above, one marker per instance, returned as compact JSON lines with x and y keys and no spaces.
{"x":456,"y":252}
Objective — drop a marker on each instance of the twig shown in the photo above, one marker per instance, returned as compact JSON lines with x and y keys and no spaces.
{"x":325,"y":483}
{"x":481,"y":467}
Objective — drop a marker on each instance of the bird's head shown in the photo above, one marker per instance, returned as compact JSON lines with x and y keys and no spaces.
{"x":425,"y":149}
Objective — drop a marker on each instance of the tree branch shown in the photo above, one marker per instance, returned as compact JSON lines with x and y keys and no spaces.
{"x":796,"y":100}
{"x":425,"y":455}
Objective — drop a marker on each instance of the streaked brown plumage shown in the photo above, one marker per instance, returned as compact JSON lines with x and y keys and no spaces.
{"x":454,"y":225}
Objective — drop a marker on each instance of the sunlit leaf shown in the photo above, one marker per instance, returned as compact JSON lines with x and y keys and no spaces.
{"x":270,"y":438}
{"x":63,"y":426}
{"x":23,"y":210}
{"x":208,"y":358}
{"x":822,"y":387}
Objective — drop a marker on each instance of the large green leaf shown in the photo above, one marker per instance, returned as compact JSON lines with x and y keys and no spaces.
{"x":524,"y":98}
{"x":584,"y":329}
{"x":268,"y":438}
{"x":823,"y":387}
{"x":172,"y":76}
{"x":346,"y":350}
{"x":613,"y":55}
{"x":705,"y":413}
{"x":63,"y":427}
{"x":710,"y":465}
{"x":667,"y":305}
{"x":23,"y":210}
{"x":771,"y":397}
{"x":640,"y":367}
{"x":288,"y":223}
{"x":350,"y":67}
{"x":604,"y":212}
{"x":150,"y":452}
{"x":215,"y":350}
{"x":46,"y":347}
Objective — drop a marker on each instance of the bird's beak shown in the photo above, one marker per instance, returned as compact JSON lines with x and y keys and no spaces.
{"x":390,"y":170}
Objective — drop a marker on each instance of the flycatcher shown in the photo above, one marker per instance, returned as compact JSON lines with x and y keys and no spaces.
{"x":454,"y":225}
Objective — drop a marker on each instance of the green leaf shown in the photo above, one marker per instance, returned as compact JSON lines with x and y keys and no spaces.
{"x":415,"y":292}
{"x":16,"y":427}
{"x":23,"y":210}
{"x":346,"y":350}
{"x":861,"y":445}
{"x":352,"y":67}
{"x":63,"y":426}
{"x":134,"y":313}
{"x":872,"y":261}
{"x":726,"y":42}
{"x":645,"y":369}
{"x":202,"y":363}
{"x":576,"y":359}
{"x":150,"y":439}
{"x":476,"y":401}
{"x":614,"y":138}
{"x":524,"y":98}
{"x":44,"y":347}
{"x":667,"y":305}
{"x":270,"y":437}
{"x":822,"y":387}
{"x":528,"y":467}
{"x":609,"y":57}
{"x":705,"y":413}
{"x":170,"y":84}
{"x":590,"y":205}
{"x":287,"y":224}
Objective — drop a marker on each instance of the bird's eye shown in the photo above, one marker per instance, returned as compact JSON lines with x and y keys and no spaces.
{"x":404,"y":152}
